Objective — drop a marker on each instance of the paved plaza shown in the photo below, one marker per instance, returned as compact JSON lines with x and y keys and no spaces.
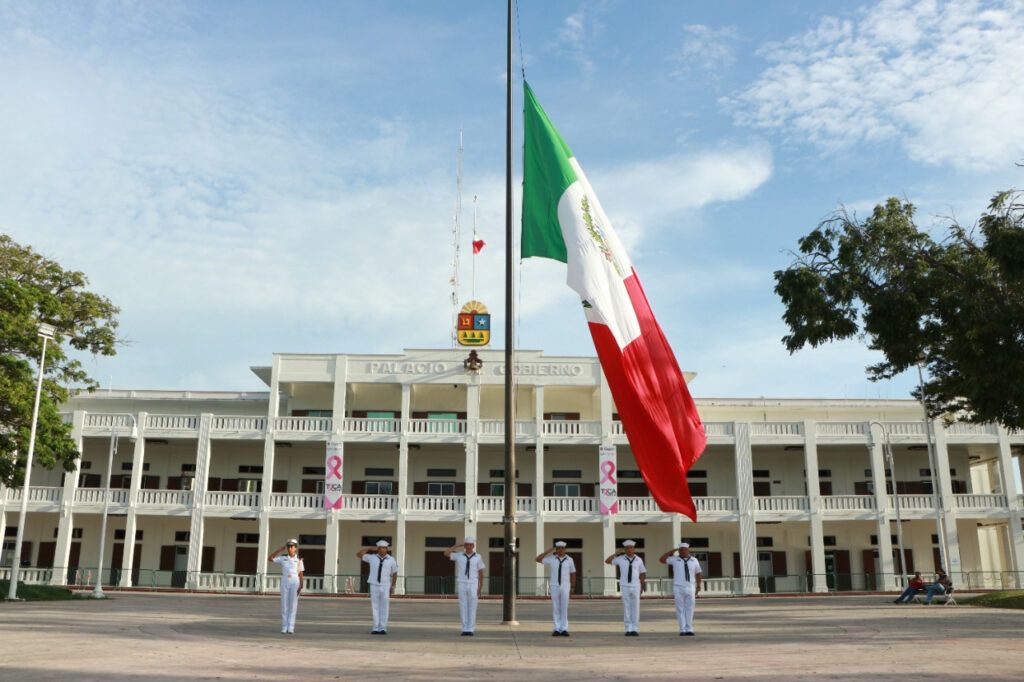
{"x":176,"y":636}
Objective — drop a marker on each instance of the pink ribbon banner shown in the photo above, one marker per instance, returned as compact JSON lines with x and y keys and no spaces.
{"x":608,"y":485}
{"x":334,"y":476}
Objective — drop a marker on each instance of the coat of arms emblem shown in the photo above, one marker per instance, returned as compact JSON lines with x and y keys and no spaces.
{"x":474,"y":326}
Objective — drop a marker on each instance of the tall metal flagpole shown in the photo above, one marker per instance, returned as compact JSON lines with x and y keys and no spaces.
{"x":508,"y":610}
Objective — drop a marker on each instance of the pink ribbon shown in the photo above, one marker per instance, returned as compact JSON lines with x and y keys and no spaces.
{"x":334,"y":466}
{"x":608,"y":472}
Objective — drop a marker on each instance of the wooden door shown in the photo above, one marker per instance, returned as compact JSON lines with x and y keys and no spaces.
{"x":150,"y":482}
{"x":74,"y":555}
{"x":313,"y":561}
{"x":737,"y":570}
{"x":246,"y":560}
{"x":439,"y":573}
{"x":577,"y":558}
{"x":896,"y":561}
{"x":936,"y":559}
{"x":47,"y":550}
{"x":26,"y":553}
{"x":843,"y":577}
{"x":714,"y":565}
{"x":496,"y":574}
{"x":868,"y":556}
{"x":206,"y":562}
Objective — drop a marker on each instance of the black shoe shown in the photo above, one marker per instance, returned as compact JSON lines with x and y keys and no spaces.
{"x":556,"y":633}
{"x":691,"y":634}
{"x":565,"y":633}
{"x":634,"y":633}
{"x":383,"y":632}
{"x":897,"y":601}
{"x":682,"y":634}
{"x":467,"y":634}
{"x":374,"y":632}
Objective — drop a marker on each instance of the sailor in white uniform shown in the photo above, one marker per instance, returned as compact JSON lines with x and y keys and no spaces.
{"x":563,"y":582}
{"x":686,"y":580}
{"x":469,"y":580}
{"x":382,"y":577}
{"x":292,"y":571}
{"x":632,"y":580}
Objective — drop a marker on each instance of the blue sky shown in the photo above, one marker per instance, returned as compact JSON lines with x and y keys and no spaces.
{"x":245,"y":178}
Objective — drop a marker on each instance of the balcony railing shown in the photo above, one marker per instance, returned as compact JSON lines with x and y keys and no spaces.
{"x":303,"y":424}
{"x":842,"y":429}
{"x":716,"y":504}
{"x":373,"y":425}
{"x":435,"y":503}
{"x":172,"y":422}
{"x":776,"y":429}
{"x":36,"y":494}
{"x":220,"y":498}
{"x":555,"y":427}
{"x":584,"y":505}
{"x":848,"y":502}
{"x":456,"y":427}
{"x":369,"y":502}
{"x":905,"y":428}
{"x":108,"y":420}
{"x":914,"y":502}
{"x":239,"y":423}
{"x":296,"y":501}
{"x":497,"y":504}
{"x":980,"y":501}
{"x":634,"y":505}
{"x":496,"y":427}
{"x":165,"y":498}
{"x":721,"y":429}
{"x":95,"y":496}
{"x":965,"y":429}
{"x":786,"y":503}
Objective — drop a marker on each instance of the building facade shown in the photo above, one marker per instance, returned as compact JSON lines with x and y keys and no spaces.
{"x":792,"y":495}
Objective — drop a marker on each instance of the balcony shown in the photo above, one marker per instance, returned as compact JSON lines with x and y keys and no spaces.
{"x":913,"y":503}
{"x":304,"y":428}
{"x":556,"y":428}
{"x":777,"y":432}
{"x":94,"y":496}
{"x":495,"y":428}
{"x":172,"y":425}
{"x":238,"y":427}
{"x":219,"y":501}
{"x":437,"y":429}
{"x":981,"y":505}
{"x":787,"y":504}
{"x":441,"y":505}
{"x":40,"y":498}
{"x":848,"y":503}
{"x":842,"y":432}
{"x":168,"y":501}
{"x":496,"y":505}
{"x":570,"y":505}
{"x":362,"y":427}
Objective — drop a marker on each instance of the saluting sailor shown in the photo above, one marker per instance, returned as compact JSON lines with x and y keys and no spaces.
{"x":292,"y":572}
{"x":469,"y":580}
{"x":382,"y":578}
{"x":632,"y":580}
{"x":686,"y":579}
{"x":563,"y":582}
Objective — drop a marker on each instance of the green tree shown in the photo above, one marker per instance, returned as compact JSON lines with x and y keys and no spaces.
{"x":35,"y":289}
{"x":955,"y":305}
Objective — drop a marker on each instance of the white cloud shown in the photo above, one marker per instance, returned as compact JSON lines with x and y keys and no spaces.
{"x":942,"y":79}
{"x":705,"y":51}
{"x":577,"y":31}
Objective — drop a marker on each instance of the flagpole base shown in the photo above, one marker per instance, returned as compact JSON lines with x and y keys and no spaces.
{"x":510,"y":622}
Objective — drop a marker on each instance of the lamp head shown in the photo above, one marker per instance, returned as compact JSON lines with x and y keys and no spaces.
{"x":46,"y":330}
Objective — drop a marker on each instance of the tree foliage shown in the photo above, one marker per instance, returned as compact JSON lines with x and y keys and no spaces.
{"x":35,"y":289}
{"x":955,"y":305}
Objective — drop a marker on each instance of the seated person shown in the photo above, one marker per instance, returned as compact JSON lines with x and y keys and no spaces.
{"x":915,"y":585}
{"x":940,"y":586}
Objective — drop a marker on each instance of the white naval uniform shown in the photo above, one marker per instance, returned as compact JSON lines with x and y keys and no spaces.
{"x":684,"y":586}
{"x":379,"y":579}
{"x":561,"y":570}
{"x":466,"y":583}
{"x":629,"y":586}
{"x":290,"y":569}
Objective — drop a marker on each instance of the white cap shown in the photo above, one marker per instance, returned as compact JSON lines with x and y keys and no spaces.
{"x":628,"y":543}
{"x":293,"y":541}
{"x":560,"y":543}
{"x":469,"y":540}
{"x":382,"y":543}
{"x":684,"y":545}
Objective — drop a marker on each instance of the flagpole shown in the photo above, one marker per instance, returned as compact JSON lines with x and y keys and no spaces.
{"x":508,"y":610}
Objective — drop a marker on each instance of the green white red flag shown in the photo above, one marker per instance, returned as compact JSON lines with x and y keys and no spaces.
{"x":563,"y":220}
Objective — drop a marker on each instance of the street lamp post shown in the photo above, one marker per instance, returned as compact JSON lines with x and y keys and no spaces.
{"x":97,"y":592}
{"x":46,"y":331}
{"x":932,"y":463}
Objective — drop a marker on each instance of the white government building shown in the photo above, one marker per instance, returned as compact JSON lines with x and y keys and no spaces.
{"x":792,"y":494}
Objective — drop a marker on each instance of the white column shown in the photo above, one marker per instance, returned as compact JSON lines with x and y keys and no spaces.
{"x":195,"y":535}
{"x":472,"y":452}
{"x":744,"y":459}
{"x":267,"y":487}
{"x":949,"y":515}
{"x":607,"y":548}
{"x":403,"y":452}
{"x":340,"y":397}
{"x":1015,"y":532}
{"x":399,"y":553}
{"x":331,"y":552}
{"x":818,"y":581}
{"x":66,"y":516}
{"x":131,"y":522}
{"x":274,"y":400}
{"x":884,"y":510}
{"x":539,"y":544}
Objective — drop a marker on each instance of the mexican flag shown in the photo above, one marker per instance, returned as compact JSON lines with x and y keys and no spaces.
{"x":563,"y":220}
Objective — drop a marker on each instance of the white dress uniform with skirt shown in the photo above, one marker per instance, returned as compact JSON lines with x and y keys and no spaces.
{"x":630,"y":569}
{"x":379,"y":579}
{"x":467,"y":571}
{"x":290,"y":569}
{"x":684,"y":586}
{"x":561,"y":570}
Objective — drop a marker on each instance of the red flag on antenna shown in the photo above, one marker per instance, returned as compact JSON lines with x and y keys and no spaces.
{"x":478,"y":246}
